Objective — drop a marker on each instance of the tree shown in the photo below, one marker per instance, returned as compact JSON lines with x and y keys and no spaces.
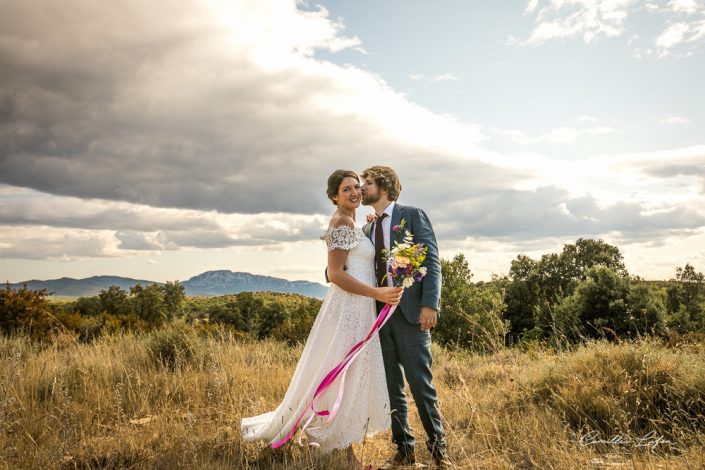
{"x":174,"y":295}
{"x":250,"y":307}
{"x":606,"y":304}
{"x":269,"y":318}
{"x":297,"y":325}
{"x":227,"y":313}
{"x":535,"y":288}
{"x":521,"y":295}
{"x":87,"y":306}
{"x":471,"y":317}
{"x":686,"y":300}
{"x":114,"y":300}
{"x":25,"y":310}
{"x":588,"y":253}
{"x":148,"y":303}
{"x":647,"y":309}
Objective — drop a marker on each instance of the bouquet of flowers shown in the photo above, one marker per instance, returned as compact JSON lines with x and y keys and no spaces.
{"x":404,"y":259}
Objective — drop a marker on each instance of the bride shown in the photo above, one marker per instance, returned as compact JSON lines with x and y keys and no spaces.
{"x":346,"y":316}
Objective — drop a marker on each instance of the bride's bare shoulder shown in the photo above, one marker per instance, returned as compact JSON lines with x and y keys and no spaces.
{"x":339,"y":220}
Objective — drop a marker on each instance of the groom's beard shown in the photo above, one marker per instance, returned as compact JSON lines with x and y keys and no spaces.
{"x":369,"y":199}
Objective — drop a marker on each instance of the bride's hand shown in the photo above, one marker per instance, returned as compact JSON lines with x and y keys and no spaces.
{"x":389,"y":295}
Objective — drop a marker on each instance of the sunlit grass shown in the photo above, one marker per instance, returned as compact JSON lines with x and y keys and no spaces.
{"x":173,"y":399}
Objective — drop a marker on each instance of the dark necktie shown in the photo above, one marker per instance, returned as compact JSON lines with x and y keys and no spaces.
{"x":380,"y":264}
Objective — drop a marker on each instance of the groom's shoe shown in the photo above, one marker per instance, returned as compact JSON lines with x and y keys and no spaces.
{"x":401,"y":459}
{"x":440,"y":459}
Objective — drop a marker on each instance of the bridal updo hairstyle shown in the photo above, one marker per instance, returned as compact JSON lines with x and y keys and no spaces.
{"x":386,"y":179}
{"x":334,"y":181}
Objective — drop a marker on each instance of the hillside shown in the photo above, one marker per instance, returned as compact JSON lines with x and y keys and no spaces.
{"x":206,"y":284}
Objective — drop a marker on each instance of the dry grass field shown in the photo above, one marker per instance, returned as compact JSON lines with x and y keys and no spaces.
{"x":173,"y":399}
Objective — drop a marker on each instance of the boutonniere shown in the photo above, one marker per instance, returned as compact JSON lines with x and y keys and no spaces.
{"x":401,"y":233}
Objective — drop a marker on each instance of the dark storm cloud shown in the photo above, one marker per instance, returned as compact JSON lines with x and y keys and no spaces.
{"x":98,"y":103}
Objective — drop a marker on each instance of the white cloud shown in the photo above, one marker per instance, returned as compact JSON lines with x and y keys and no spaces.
{"x":446,"y":77}
{"x":49,"y":243}
{"x":683,"y":6}
{"x":674,"y":120}
{"x":579,"y":18}
{"x":673,"y":35}
{"x":531,"y":6}
{"x":136,"y":227}
{"x":697,"y":29}
{"x":592,"y":19}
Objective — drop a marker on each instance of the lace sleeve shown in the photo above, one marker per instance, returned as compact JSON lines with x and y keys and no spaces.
{"x":341,"y":238}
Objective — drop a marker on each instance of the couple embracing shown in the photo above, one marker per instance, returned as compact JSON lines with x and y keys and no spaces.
{"x":374,"y":391}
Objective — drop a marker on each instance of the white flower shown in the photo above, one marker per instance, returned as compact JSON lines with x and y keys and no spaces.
{"x":423,"y":270}
{"x":407,"y":282}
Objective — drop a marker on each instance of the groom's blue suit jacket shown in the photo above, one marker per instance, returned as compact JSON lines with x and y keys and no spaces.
{"x":428,"y":291}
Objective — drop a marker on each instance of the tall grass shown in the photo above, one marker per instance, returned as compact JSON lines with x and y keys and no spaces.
{"x":173,"y":399}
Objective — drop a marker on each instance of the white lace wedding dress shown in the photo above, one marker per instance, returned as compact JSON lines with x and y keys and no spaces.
{"x":343,"y":320}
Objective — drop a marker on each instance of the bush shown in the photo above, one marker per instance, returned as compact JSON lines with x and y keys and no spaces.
{"x":25,"y":311}
{"x":174,"y":345}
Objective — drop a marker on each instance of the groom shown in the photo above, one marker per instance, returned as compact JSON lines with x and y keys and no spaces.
{"x":406,"y":337}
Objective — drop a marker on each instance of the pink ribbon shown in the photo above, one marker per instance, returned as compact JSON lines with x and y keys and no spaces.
{"x":338,"y":371}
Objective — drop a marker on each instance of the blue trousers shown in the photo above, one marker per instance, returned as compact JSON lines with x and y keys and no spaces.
{"x":406,"y":351}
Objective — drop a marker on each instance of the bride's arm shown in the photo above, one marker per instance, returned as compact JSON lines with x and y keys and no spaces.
{"x":338,"y":276}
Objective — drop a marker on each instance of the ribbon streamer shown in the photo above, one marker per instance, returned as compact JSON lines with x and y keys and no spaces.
{"x":338,"y":371}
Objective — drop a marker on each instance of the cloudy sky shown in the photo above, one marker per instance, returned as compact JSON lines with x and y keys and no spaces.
{"x":161,"y":139}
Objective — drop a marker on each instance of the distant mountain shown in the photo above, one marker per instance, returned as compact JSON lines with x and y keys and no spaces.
{"x":229,"y":282}
{"x":69,"y":287}
{"x":210,"y":283}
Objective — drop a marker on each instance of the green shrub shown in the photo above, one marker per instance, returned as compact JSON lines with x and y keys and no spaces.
{"x":25,"y":311}
{"x":175,"y":345}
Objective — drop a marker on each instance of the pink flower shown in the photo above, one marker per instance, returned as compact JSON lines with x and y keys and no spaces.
{"x":370,"y":217}
{"x":396,"y":228}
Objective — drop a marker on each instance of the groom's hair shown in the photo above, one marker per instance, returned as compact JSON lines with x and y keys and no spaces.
{"x":386,"y":179}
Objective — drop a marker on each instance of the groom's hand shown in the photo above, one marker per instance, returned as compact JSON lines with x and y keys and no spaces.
{"x":428,"y":318}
